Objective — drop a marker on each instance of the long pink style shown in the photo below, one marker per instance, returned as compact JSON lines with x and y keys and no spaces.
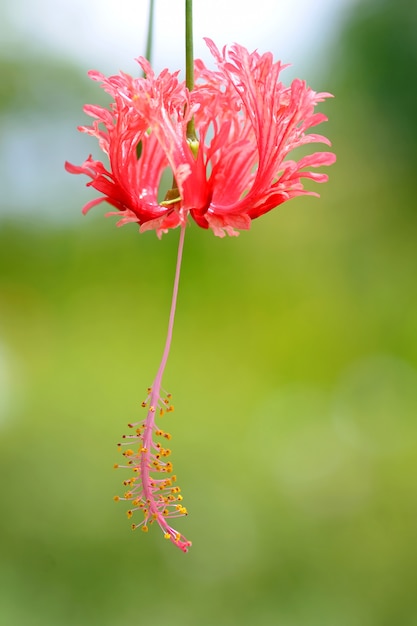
{"x":156,"y":499}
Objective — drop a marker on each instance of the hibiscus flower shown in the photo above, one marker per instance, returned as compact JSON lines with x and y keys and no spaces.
{"x":235,"y":169}
{"x":227,"y":144}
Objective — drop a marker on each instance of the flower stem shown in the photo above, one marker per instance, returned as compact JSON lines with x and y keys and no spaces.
{"x":189,"y":52}
{"x":149,"y":37}
{"x":189,"y":62}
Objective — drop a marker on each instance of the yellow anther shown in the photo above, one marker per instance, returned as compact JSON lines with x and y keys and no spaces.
{"x":115,"y":466}
{"x":143,"y":450}
{"x":128,"y":495}
{"x":152,"y":409}
{"x":144,"y":404}
{"x":175,"y":490}
{"x":174,"y":478}
{"x":161,"y":412}
{"x":128,"y":453}
{"x":145,"y":528}
{"x":180,"y":498}
{"x":165,"y":512}
{"x":130,"y":425}
{"x":167,"y":436}
{"x":159,"y":432}
{"x":134,"y":526}
{"x":167,"y":536}
{"x":116,"y":498}
{"x":136,"y":502}
{"x":129,"y":514}
{"x":170,"y":409}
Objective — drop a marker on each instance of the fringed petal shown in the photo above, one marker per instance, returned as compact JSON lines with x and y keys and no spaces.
{"x":247,"y":124}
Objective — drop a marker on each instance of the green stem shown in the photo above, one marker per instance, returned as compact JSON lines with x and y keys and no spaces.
{"x":148,"y":56}
{"x":189,"y":52}
{"x":189,"y":62}
{"x":149,"y":38}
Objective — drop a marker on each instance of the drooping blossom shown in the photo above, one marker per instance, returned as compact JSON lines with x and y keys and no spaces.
{"x":247,"y":123}
{"x":236,"y":168}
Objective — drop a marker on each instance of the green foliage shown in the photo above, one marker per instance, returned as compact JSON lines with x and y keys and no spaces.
{"x":376,"y":67}
{"x":33,"y":85}
{"x":292,"y":499}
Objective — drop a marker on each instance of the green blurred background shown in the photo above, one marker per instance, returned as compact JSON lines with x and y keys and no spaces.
{"x":293,"y":372}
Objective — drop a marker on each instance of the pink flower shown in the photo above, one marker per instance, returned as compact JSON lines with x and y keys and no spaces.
{"x":247,"y":123}
{"x":235,"y":169}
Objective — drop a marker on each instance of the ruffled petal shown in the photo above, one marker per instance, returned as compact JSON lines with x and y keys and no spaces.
{"x":247,"y":123}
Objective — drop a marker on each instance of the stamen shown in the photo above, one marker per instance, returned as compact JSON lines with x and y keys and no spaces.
{"x":155,"y":496}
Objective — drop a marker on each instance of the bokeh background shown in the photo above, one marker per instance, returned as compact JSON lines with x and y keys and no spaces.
{"x":294,"y":361}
